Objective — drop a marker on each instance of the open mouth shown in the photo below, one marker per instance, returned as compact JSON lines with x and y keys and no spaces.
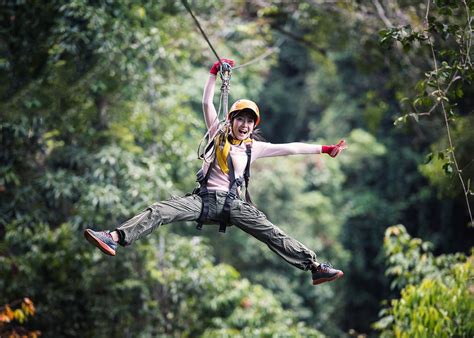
{"x":243,"y":132}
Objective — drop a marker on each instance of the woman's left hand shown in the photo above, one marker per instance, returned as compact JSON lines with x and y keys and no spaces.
{"x":335,"y":150}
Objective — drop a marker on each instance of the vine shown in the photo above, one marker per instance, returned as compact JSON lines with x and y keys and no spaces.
{"x":443,"y":85}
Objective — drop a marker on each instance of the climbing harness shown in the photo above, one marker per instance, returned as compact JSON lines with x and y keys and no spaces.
{"x":235,"y":184}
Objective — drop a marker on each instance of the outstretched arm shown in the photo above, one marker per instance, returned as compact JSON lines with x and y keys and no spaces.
{"x":284,"y":149}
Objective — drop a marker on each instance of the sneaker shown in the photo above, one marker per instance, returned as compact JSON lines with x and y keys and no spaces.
{"x":101,"y":239}
{"x":325,"y":273}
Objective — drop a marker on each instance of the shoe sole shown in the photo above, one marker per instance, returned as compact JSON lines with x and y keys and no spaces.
{"x":98,"y":243}
{"x":323,"y":280}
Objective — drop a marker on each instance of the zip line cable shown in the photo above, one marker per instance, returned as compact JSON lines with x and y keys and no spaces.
{"x":186,"y":5}
{"x":258,"y":58}
{"x":263,"y":56}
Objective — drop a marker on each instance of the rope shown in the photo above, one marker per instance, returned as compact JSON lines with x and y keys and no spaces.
{"x":269,"y":52}
{"x":186,"y":5}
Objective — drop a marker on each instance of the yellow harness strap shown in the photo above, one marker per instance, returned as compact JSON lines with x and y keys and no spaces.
{"x":222,"y":145}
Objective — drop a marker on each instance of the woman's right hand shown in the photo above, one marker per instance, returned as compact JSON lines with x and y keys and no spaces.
{"x":217,"y":66}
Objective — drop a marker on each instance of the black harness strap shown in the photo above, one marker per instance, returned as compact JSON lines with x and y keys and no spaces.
{"x":231,"y":195}
{"x":204,"y":194}
{"x":248,"y":151}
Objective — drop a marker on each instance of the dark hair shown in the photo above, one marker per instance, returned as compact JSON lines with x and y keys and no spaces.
{"x":257,"y":135}
{"x":246,"y":111}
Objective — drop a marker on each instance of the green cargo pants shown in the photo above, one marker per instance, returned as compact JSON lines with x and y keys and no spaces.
{"x":242,"y":214}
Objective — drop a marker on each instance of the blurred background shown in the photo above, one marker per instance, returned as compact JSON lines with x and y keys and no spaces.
{"x":100,"y":116}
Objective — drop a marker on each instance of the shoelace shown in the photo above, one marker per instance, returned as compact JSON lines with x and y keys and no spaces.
{"x":108,"y":235}
{"x":325,"y":266}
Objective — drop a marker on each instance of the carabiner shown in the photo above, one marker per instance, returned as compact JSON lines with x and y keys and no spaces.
{"x":225,"y":69}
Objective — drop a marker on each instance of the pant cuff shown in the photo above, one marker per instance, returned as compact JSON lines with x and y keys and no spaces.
{"x":121,"y":236}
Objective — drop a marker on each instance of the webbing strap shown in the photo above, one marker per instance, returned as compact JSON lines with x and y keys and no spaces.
{"x":204,"y":194}
{"x":248,"y":151}
{"x":231,"y":195}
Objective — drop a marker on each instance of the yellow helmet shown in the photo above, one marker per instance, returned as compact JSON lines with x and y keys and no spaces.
{"x":245,"y":104}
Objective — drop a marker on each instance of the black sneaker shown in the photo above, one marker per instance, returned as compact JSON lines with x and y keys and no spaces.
{"x":101,"y":239}
{"x":325,"y":273}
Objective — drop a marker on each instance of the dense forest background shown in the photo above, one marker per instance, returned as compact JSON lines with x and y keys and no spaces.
{"x":100,"y":116}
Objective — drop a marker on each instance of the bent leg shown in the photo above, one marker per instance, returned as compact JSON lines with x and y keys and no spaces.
{"x":187,"y":208}
{"x":251,"y":220}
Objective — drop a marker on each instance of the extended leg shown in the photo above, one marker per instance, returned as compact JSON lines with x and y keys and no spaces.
{"x":253,"y":221}
{"x":185,"y":208}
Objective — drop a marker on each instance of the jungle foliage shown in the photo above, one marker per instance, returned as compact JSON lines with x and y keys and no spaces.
{"x":100,"y":116}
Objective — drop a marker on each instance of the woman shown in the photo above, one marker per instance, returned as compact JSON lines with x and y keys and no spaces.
{"x":216,"y":201}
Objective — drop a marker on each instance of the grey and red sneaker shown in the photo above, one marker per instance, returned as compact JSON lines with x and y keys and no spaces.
{"x":325,"y":273}
{"x":101,"y":239}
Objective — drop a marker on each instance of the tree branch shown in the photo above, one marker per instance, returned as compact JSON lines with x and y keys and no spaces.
{"x":301,"y":39}
{"x":381,"y":12}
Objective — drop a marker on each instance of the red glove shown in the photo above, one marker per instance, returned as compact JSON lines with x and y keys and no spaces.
{"x":217,"y":66}
{"x":334,"y":150}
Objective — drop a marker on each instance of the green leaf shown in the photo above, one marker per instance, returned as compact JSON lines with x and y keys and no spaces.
{"x":428,"y":158}
{"x":427,"y":101}
{"x":420,"y":86}
{"x":446,"y":11}
{"x":448,"y":168}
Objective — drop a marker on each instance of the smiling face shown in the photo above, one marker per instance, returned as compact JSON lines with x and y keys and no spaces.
{"x":243,"y":124}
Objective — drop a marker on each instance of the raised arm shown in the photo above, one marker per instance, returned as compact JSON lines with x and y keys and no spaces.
{"x":208,"y":108}
{"x":210,"y":114}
